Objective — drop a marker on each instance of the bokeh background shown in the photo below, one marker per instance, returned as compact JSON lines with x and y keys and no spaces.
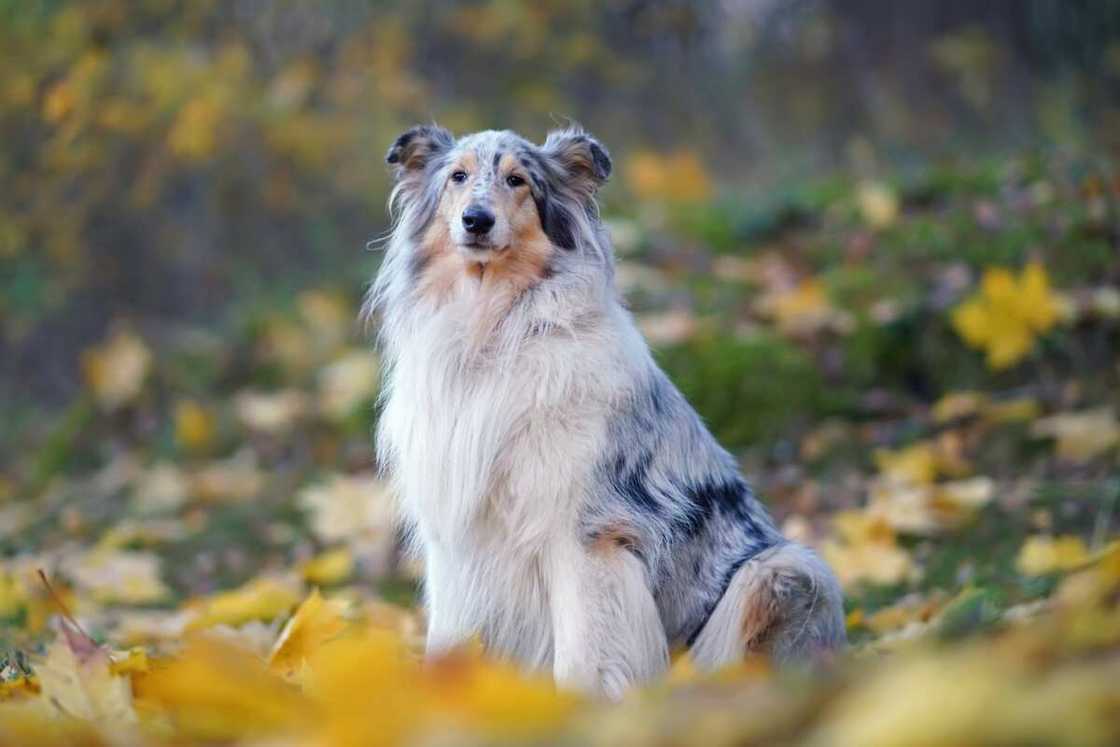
{"x":164,"y":162}
{"x":876,"y":244}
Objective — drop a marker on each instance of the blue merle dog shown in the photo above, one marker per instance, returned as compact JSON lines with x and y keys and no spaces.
{"x":571,"y":509}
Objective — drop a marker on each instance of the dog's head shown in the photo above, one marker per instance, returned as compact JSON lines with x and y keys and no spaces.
{"x":494,"y":197}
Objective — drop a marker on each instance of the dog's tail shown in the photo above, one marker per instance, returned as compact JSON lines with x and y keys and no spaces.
{"x":784,"y":602}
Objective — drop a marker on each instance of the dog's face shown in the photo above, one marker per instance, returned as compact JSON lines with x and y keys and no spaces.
{"x":488,"y":207}
{"x":493,"y":199}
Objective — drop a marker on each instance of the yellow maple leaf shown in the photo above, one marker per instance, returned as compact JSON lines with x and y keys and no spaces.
{"x":874,"y":562}
{"x":496,"y":699}
{"x":866,"y":551}
{"x":906,"y":611}
{"x":261,"y":599}
{"x":1040,"y":555}
{"x":1004,"y":317}
{"x":882,"y":711}
{"x":330,"y":567}
{"x":912,"y":465}
{"x":1038,"y":306}
{"x":216,"y":691}
{"x":314,"y":623}
{"x":115,"y":370}
{"x":76,"y":678}
{"x":963,"y":496}
{"x":132,"y":662}
{"x":1095,"y":585}
{"x":368,"y":688}
{"x":194,"y":425}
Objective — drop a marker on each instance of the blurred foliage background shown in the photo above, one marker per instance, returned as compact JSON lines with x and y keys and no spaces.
{"x":164,"y":162}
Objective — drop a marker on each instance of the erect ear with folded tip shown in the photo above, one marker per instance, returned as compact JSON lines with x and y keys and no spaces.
{"x":417,"y":147}
{"x":585,"y":161}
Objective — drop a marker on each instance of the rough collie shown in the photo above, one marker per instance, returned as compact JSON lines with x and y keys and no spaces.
{"x":571,"y":509}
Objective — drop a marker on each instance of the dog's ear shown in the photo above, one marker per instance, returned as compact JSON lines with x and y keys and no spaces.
{"x":583,"y":159}
{"x":415,"y":149}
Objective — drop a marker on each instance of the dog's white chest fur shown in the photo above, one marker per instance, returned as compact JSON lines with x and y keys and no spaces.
{"x":492,"y":458}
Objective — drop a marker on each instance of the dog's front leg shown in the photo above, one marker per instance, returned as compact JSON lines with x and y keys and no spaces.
{"x":448,"y":602}
{"x":606,"y":628}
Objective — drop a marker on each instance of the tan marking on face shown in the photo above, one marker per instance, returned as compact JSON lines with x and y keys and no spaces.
{"x":456,"y":197}
{"x":444,"y":266}
{"x":507,"y":271}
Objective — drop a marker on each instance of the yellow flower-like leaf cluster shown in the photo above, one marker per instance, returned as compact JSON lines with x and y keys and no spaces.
{"x":1007,"y":314}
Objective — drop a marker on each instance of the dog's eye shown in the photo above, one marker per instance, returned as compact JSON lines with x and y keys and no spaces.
{"x":514,"y":180}
{"x":459,"y":177}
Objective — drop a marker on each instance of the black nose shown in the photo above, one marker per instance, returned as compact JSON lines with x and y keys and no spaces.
{"x":478,"y":220}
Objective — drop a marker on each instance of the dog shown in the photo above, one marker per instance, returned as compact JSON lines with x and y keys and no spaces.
{"x":571,"y":509}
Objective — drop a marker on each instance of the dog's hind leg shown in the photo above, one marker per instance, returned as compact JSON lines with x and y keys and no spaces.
{"x":607,"y":631}
{"x":783,"y":603}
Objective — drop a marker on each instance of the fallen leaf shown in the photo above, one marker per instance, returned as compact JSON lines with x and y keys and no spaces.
{"x":878,"y":204}
{"x":1042,"y":554}
{"x":958,"y":405}
{"x":1018,"y":410}
{"x":348,"y":674}
{"x":803,"y":310}
{"x":270,"y":412}
{"x":124,"y":576}
{"x":329,"y":568}
{"x":866,"y":551}
{"x":194,"y":425}
{"x":348,"y":382}
{"x":161,"y":489}
{"x":218,"y":692}
{"x":263,"y":598}
{"x":314,"y":623}
{"x":1081,"y":436}
{"x":234,"y":479}
{"x":76,"y":678}
{"x":668,"y":328}
{"x":913,"y":465}
{"x":357,"y":510}
{"x":498,"y":701}
{"x":116,"y":369}
{"x":1007,"y":313}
